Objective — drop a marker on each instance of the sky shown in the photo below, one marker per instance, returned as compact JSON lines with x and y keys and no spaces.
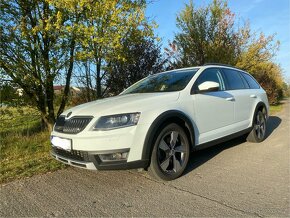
{"x":267,"y":16}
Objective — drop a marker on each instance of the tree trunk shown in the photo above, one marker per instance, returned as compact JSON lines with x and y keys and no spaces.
{"x":88,"y":81}
{"x":68,"y":78}
{"x":46,"y":124}
{"x":98,"y":71}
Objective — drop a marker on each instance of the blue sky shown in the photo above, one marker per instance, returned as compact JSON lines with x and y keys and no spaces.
{"x":268,"y":16}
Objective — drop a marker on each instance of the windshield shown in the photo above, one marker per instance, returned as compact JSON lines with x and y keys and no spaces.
{"x":162,"y":82}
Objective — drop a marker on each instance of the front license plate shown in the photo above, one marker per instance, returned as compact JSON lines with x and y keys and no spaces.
{"x":61,"y":142}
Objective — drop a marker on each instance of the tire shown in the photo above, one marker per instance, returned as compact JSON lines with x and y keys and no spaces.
{"x":170,"y":153}
{"x":258,"y":133}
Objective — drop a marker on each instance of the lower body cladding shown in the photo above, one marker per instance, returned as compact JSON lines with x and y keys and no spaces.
{"x":106,"y":160}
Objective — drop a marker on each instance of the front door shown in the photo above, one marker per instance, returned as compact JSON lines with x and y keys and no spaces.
{"x":214,"y":111}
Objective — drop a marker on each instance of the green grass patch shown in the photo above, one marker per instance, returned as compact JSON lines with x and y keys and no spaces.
{"x":24,"y":120}
{"x":276,"y":108}
{"x":24,"y":148}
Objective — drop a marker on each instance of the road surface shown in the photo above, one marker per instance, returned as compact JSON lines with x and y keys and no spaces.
{"x":231,"y":179}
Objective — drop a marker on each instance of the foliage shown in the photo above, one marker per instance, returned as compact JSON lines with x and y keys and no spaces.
{"x":85,"y":78}
{"x":256,"y":58}
{"x":42,"y":39}
{"x":7,"y":92}
{"x":210,"y":34}
{"x":103,"y":26}
{"x":36,"y":47}
{"x":286,"y":89}
{"x":113,"y":44}
{"x":12,"y":95}
{"x":206,"y":35}
{"x":142,"y":57}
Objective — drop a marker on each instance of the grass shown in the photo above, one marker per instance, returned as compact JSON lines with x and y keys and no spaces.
{"x":24,"y":149}
{"x":276,"y":108}
{"x":14,"y":120}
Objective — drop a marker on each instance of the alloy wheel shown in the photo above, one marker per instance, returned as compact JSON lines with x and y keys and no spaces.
{"x":260,"y":125}
{"x":171,"y":152}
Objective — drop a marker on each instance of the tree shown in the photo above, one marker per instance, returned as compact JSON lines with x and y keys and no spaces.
{"x":256,"y":57}
{"x":84,"y":76}
{"x":210,"y":34}
{"x":142,"y":57}
{"x":207,"y":34}
{"x":7,"y":93}
{"x":36,"y":48}
{"x":286,"y":89}
{"x":103,"y":26}
{"x":42,"y":39}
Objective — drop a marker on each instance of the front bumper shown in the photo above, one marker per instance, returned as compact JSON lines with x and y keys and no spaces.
{"x":101,"y":141}
{"x":92,"y":161}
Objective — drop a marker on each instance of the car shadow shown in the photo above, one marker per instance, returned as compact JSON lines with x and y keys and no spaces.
{"x":198,"y":158}
{"x":272,"y":124}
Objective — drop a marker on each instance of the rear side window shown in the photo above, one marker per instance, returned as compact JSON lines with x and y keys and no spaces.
{"x":234,"y":80}
{"x":252,"y":83}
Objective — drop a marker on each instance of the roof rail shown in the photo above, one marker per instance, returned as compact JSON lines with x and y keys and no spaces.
{"x":225,"y":65}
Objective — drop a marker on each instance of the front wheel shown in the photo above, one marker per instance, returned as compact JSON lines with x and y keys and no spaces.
{"x":170,"y":153}
{"x":258,"y":133}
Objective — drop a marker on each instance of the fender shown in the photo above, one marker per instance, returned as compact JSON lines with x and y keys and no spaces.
{"x":162,"y":119}
{"x":259,"y":105}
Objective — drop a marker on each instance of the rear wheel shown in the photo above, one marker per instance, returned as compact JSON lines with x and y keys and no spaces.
{"x":258,"y":132}
{"x":170,"y":153}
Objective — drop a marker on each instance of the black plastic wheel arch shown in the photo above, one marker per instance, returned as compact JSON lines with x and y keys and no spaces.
{"x":171,"y":116}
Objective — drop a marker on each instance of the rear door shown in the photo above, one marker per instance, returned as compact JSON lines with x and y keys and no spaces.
{"x":253,"y":90}
{"x":237,"y":86}
{"x":214,"y":111}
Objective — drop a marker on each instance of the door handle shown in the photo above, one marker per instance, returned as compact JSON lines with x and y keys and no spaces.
{"x":253,"y":96}
{"x":230,"y":99}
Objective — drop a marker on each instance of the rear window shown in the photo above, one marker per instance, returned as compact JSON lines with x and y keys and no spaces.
{"x":234,"y":79}
{"x":252,"y":83}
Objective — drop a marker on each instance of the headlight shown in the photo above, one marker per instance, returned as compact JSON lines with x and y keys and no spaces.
{"x":117,"y":121}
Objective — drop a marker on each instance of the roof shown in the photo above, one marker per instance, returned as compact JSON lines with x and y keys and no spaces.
{"x":58,"y":87}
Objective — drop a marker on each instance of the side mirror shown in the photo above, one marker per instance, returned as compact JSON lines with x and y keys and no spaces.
{"x":208,"y":86}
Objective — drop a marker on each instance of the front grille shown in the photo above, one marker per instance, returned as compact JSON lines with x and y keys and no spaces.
{"x":73,"y":125}
{"x":73,"y":154}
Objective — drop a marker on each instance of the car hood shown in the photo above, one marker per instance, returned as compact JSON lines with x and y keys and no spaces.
{"x":123,"y":104}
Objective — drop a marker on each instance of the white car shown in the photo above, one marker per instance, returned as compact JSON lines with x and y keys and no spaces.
{"x":159,"y":120}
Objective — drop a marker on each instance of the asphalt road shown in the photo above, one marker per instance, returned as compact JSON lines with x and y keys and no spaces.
{"x":231,"y":179}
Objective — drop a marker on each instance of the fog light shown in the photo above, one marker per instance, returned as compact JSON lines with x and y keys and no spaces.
{"x":114,"y":156}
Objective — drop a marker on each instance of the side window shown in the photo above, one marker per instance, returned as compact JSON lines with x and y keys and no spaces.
{"x":234,"y":79}
{"x":213,"y":75}
{"x":252,"y":83}
{"x":246,"y":84}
